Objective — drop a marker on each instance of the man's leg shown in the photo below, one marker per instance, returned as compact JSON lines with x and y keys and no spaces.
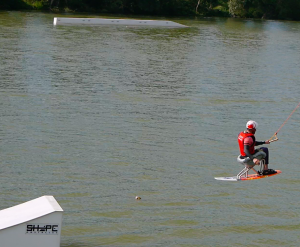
{"x":266,"y":151}
{"x":263,"y":153}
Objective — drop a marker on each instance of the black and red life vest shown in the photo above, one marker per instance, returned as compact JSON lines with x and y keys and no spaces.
{"x":241,"y":139}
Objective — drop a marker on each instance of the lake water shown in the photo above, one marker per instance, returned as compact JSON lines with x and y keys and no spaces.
{"x":96,"y":115}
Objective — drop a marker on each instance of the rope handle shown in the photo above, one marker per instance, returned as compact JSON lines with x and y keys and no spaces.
{"x":274,"y":138}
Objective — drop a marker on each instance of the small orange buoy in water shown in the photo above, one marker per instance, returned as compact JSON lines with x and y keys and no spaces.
{"x":138,"y":198}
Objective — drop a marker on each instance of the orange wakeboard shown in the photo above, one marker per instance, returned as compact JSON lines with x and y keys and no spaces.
{"x":249,"y":177}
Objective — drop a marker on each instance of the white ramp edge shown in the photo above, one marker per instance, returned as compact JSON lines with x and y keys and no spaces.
{"x":126,"y":22}
{"x":34,"y":223}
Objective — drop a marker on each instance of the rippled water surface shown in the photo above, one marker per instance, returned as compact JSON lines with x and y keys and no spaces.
{"x":95,"y":115}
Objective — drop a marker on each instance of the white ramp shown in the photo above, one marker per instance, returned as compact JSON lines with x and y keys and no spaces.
{"x":126,"y":22}
{"x":35,"y":223}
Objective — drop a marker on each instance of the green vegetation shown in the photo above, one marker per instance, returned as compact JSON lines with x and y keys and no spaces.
{"x":268,"y":9}
{"x":14,"y":5}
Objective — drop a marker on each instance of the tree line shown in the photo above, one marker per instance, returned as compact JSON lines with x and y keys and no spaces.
{"x":267,"y":9}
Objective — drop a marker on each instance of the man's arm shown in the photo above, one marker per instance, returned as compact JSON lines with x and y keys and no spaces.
{"x":247,"y":152}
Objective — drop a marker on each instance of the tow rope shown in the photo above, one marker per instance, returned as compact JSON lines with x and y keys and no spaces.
{"x":274,"y":137}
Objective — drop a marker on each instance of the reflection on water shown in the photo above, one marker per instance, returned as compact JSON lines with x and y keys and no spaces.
{"x":97,"y":115}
